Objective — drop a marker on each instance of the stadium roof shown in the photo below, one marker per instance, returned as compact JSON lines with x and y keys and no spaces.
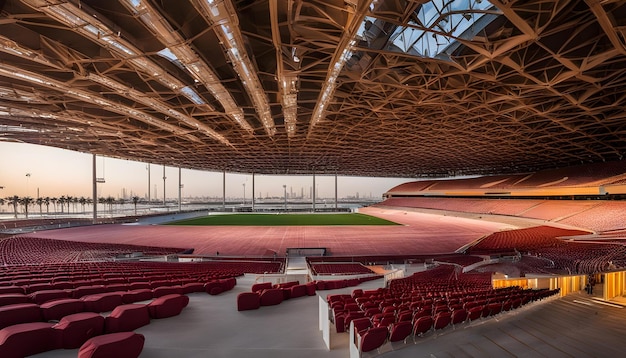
{"x":355,"y":87}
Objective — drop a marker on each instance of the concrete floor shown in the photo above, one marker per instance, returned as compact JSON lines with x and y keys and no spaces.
{"x":211,"y":326}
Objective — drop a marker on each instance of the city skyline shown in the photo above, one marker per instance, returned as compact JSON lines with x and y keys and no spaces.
{"x":39,"y":171}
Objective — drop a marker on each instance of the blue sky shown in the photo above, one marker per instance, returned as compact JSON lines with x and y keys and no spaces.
{"x":54,"y":172}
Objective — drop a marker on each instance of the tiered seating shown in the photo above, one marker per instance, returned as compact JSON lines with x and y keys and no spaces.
{"x":523,"y":239}
{"x":339,"y":269}
{"x":89,"y":278}
{"x":596,"y":215}
{"x":605,"y":216}
{"x":555,"y":209}
{"x":467,"y":205}
{"x":428,"y":301}
{"x":27,"y":250}
{"x":576,"y":176}
{"x":588,"y":258}
{"x":567,"y":257}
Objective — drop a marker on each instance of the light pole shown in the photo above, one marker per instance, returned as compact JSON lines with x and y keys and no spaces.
{"x":285,"y":189}
{"x":244,"y":194}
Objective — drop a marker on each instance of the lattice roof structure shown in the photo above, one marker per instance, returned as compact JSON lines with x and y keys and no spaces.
{"x":401,"y":88}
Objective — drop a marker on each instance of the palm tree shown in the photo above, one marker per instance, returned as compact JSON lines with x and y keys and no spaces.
{"x":82,"y":202}
{"x":54,"y":202}
{"x":135,"y":201}
{"x":88,"y":201}
{"x":39,"y":202}
{"x":74,"y":202}
{"x":68,"y":201}
{"x":25,"y":201}
{"x":61,"y":202}
{"x":46,"y":201}
{"x":14,"y":200}
{"x":1,"y":202}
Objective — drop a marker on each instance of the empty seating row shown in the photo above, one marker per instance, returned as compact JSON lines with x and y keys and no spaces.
{"x":522,"y":240}
{"x":339,"y":269}
{"x":86,"y":329}
{"x":421,"y":297}
{"x":337,"y":284}
{"x":370,"y":333}
{"x":57,"y":309}
{"x":30,"y":250}
{"x":129,"y":292}
{"x":27,"y":339}
{"x":81,"y":273}
{"x":266,"y":294}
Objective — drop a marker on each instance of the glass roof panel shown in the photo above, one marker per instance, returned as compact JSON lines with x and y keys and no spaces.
{"x":439,"y":23}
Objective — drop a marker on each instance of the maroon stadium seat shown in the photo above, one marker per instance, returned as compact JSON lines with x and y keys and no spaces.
{"x":248,"y":301}
{"x":19,"y":313}
{"x":40,"y":297}
{"x":257,"y":287}
{"x":119,"y":345}
{"x":102,"y":302}
{"x":127,"y":318}
{"x":298,"y":291}
{"x":141,"y":294}
{"x":55,"y":310}
{"x":13,"y":298}
{"x":399,"y":331}
{"x":25,"y":339}
{"x":77,"y":328}
{"x":167,"y":306}
{"x":373,"y":338}
{"x":272,"y":296}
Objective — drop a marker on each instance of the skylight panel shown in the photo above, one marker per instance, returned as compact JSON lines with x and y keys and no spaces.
{"x":439,"y":23}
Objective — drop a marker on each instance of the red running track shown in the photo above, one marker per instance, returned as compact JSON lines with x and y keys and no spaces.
{"x":419,"y":234}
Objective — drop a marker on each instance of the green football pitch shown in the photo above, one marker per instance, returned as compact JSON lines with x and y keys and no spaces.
{"x":284,"y":220}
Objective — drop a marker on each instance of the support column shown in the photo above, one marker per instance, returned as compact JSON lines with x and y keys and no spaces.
{"x":164,"y":177}
{"x":180,"y":190}
{"x":314,"y":193}
{"x":252,"y":191}
{"x":148,"y":183}
{"x":336,"y":201}
{"x":223,"y":190}
{"x":94,"y":190}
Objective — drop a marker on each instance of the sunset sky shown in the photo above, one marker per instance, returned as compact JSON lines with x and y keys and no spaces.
{"x":26,"y":168}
